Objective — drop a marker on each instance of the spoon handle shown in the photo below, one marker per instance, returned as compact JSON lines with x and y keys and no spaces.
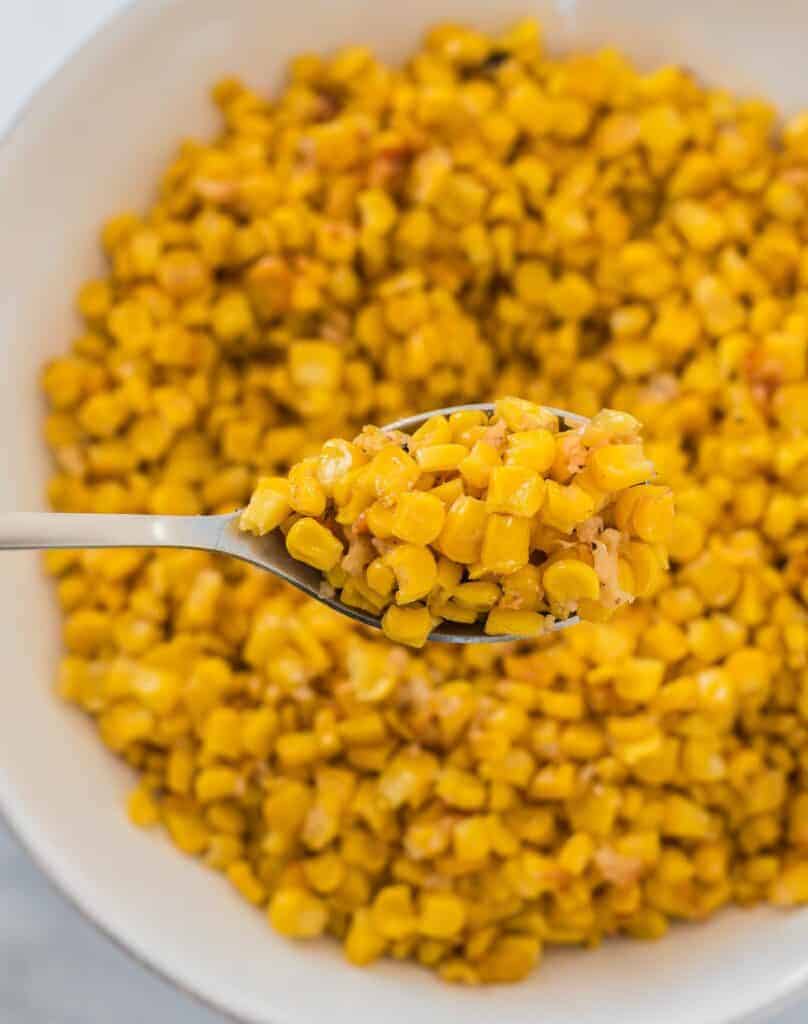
{"x":86,"y":530}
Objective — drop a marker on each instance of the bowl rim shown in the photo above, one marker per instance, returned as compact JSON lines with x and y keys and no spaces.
{"x":128,"y":14}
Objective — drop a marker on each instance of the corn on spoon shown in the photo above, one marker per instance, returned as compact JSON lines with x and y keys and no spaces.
{"x":221,"y":535}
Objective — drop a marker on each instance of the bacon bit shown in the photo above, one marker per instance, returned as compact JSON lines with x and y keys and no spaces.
{"x":216,"y":190}
{"x":382,"y":545}
{"x":360,"y":552}
{"x":336,"y":327}
{"x":605,"y":564}
{"x":496,"y":434}
{"x":764,"y":374}
{"x":360,"y":524}
{"x":662,"y":387}
{"x":530,"y":668}
{"x":760,"y":367}
{"x":372,"y":439}
{"x":571,"y":452}
{"x":70,"y":458}
{"x":617,"y":868}
{"x":389,"y":165}
{"x":397,"y":660}
{"x":306,"y":154}
{"x":415,"y":692}
{"x":795,"y":175}
{"x":589,"y":530}
{"x":327,"y":107}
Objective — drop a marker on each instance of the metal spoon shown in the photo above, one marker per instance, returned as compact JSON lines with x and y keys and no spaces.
{"x":221,"y":535}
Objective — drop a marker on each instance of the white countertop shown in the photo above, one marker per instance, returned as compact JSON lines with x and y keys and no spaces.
{"x":55,"y":968}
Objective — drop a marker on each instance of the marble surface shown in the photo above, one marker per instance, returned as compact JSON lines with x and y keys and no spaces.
{"x":55,"y":968}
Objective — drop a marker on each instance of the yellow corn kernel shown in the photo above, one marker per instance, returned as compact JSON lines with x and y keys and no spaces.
{"x":216,"y":784}
{"x":449,"y":575}
{"x":337,"y":459}
{"x":418,"y":517}
{"x":393,"y":913}
{"x":506,"y":544}
{"x":554,"y":783}
{"x":461,"y":789}
{"x":324,"y":872}
{"x":142,"y":808}
{"x":258,"y":731}
{"x":442,"y":915}
{"x":297,"y":748}
{"x":294,"y":912}
{"x":449,"y":491}
{"x":647,"y":565}
{"x":440,"y":458}
{"x":617,"y":466}
{"x":269,"y":505}
{"x":534,"y":449}
{"x":187,"y":832}
{"x":240,"y":875}
{"x":520,"y":414}
{"x":566,"y":505}
{"x":475,"y":467}
{"x":392,"y":471}
{"x":685,"y":819}
{"x":124,"y":724}
{"x":435,"y":430}
{"x":306,"y":494}
{"x":791,"y":887}
{"x":415,"y":570}
{"x":556,"y":704}
{"x":180,"y":770}
{"x":410,"y":626}
{"x":466,"y":424}
{"x":515,"y":490}
{"x":443,"y":608}
{"x":379,"y":517}
{"x":362,"y":730}
{"x":223,"y":850}
{"x":568,"y":581}
{"x":471,"y":839}
{"x":461,"y":539}
{"x":310,"y":542}
{"x":576,"y":853}
{"x":511,"y":958}
{"x":86,"y":631}
{"x":363,"y":944}
{"x":639,"y":679}
{"x":504,"y":622}
{"x":380,"y":577}
{"x":479,"y":596}
{"x":222,"y":733}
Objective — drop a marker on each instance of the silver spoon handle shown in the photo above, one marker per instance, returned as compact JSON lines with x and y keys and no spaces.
{"x":86,"y":530}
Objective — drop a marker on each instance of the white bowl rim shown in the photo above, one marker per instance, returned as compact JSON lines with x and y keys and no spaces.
{"x":12,"y":811}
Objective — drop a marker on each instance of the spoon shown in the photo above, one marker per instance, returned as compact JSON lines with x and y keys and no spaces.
{"x":221,"y":535}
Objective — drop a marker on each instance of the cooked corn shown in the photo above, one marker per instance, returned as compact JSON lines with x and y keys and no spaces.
{"x":495,"y":533}
{"x":490,"y":219}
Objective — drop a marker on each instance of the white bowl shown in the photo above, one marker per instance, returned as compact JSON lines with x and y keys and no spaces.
{"x":92,"y":142}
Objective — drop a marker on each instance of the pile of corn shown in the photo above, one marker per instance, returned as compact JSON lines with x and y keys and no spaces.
{"x":487,"y":220}
{"x":503,"y":516}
